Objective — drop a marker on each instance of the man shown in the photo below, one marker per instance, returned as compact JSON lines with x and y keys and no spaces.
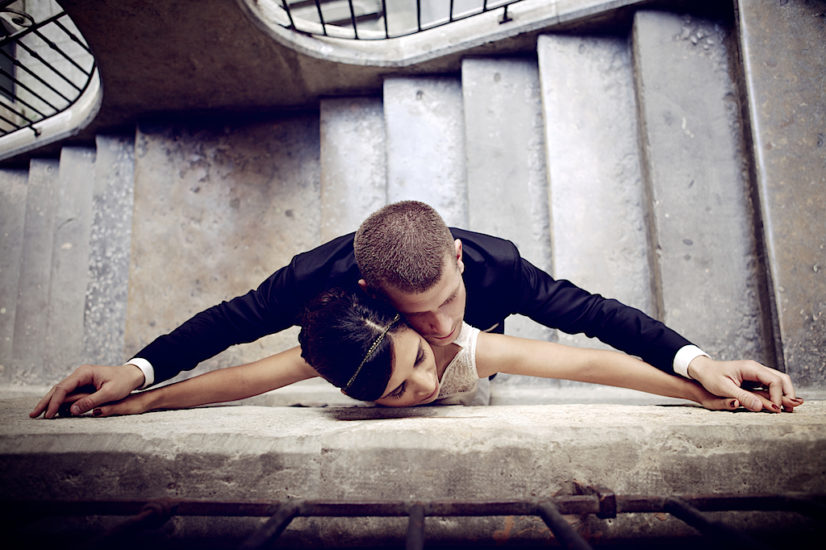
{"x":435,"y":277}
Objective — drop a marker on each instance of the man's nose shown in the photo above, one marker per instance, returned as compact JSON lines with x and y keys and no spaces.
{"x":440,"y":324}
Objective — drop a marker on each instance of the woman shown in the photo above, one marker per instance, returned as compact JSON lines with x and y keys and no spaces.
{"x":365,"y":348}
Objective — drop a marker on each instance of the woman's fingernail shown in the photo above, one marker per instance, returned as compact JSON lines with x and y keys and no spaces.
{"x":775,"y":407}
{"x":97,"y":412}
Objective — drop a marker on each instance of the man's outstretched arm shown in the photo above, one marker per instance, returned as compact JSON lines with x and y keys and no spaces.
{"x":106,"y":383}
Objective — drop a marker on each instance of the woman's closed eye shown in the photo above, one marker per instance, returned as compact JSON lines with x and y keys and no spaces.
{"x":398,"y":392}
{"x":420,"y":357}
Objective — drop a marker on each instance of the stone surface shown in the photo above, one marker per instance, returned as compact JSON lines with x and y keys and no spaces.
{"x":70,"y":260}
{"x":598,"y":207}
{"x":30,"y":323}
{"x":425,"y":144}
{"x":353,"y":163}
{"x":507,"y":189}
{"x":12,"y":219}
{"x":253,"y":452}
{"x":110,"y":242}
{"x":219,"y":209}
{"x":709,"y":266}
{"x":784,"y":56}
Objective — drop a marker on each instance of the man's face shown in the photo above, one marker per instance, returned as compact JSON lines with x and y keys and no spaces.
{"x":436,"y":313}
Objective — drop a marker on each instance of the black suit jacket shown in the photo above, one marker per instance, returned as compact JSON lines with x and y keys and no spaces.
{"x":499,"y":283}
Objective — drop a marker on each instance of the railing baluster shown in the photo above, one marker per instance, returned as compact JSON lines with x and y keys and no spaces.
{"x":682,"y":510}
{"x":415,"y":528}
{"x":561,"y":529}
{"x":273,"y":527}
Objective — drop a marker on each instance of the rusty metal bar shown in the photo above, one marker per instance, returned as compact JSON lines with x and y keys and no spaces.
{"x":561,"y":529}
{"x":687,"y":513}
{"x":415,"y":528}
{"x":597,"y":501}
{"x":152,"y":515}
{"x":273,"y":527}
{"x":812,"y":505}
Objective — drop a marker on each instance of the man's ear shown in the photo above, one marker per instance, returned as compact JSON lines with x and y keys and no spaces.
{"x":366,"y":289}
{"x":459,"y":263}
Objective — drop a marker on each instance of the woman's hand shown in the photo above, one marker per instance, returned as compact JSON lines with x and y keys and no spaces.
{"x":135,"y":403}
{"x":715,"y":403}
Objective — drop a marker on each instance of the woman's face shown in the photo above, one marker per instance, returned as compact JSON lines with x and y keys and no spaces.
{"x":414,"y":380}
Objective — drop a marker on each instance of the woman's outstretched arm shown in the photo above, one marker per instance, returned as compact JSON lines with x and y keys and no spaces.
{"x":218,"y":386}
{"x":508,"y":354}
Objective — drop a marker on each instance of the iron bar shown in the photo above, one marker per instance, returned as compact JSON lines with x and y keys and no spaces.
{"x":32,"y":92}
{"x":273,"y":527}
{"x":73,"y":37}
{"x":39,"y":57}
{"x":597,"y":501}
{"x":353,"y":19}
{"x":561,"y":529}
{"x":39,"y":79}
{"x":415,"y":528}
{"x":54,"y":47}
{"x":386,"y":17}
{"x":687,"y":513}
{"x":321,"y":17}
{"x":420,"y":26}
{"x":153,"y":514}
{"x":567,"y":504}
{"x":18,"y":113}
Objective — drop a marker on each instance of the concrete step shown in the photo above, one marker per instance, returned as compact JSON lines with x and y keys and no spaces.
{"x":507,"y":186}
{"x":70,"y":260}
{"x":784,"y":60}
{"x":251,"y":453}
{"x":598,"y":205}
{"x":109,"y":251}
{"x":426,"y":144}
{"x":29,"y":361}
{"x":217,"y":210}
{"x":13,"y":191}
{"x":353,"y":163}
{"x":695,"y":165}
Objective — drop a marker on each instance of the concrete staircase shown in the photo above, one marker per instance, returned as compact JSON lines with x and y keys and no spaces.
{"x":618,"y":161}
{"x":674,"y":164}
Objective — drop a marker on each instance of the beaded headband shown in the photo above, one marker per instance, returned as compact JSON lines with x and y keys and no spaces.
{"x":370,"y":352}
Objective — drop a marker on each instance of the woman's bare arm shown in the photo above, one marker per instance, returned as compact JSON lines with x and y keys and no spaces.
{"x":508,"y":354}
{"x":218,"y":386}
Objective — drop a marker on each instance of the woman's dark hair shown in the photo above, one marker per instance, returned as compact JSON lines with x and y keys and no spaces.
{"x":338,"y":329}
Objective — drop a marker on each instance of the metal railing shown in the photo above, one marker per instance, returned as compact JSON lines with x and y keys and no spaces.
{"x":603,"y":503}
{"x":381,"y":19}
{"x":45,"y":66}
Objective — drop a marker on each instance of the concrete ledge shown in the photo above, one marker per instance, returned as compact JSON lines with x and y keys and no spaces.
{"x":508,"y":452}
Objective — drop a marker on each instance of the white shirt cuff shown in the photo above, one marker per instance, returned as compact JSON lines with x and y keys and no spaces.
{"x":685,"y":356}
{"x":146,"y":369}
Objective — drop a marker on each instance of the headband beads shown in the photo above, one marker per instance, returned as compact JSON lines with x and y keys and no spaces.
{"x":370,"y":352}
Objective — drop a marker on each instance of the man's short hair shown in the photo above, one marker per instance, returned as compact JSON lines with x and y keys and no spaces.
{"x":403,"y":245}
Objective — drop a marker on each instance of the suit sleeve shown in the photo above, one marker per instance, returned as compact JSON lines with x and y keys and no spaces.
{"x":561,"y":304}
{"x":275,"y":305}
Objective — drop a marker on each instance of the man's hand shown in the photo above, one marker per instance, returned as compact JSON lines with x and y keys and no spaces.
{"x":726,"y":378}
{"x":109,"y":384}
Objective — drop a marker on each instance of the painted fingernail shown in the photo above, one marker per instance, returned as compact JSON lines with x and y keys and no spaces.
{"x":776,"y":407}
{"x":97,"y":412}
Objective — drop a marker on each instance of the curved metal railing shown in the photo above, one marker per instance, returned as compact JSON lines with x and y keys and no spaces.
{"x":45,"y":65}
{"x":380,"y":19}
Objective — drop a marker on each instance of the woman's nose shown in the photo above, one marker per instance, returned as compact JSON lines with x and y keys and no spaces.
{"x":425,"y":381}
